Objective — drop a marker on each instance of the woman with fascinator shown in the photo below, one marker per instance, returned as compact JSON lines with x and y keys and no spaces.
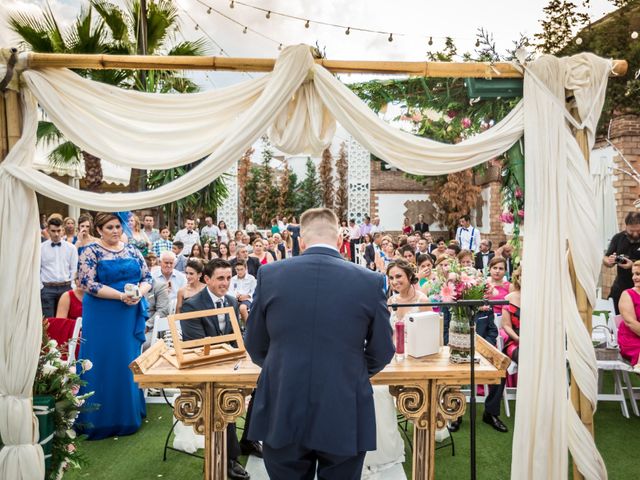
{"x":115,"y":278}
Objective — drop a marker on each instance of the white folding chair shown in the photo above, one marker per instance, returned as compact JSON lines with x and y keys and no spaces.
{"x":620,"y":369}
{"x":73,"y":341}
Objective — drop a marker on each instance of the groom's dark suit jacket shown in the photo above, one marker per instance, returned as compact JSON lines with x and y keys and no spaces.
{"x":205,"y":326}
{"x":319,"y":328}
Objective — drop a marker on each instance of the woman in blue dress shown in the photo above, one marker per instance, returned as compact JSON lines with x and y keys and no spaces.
{"x":112,"y":330}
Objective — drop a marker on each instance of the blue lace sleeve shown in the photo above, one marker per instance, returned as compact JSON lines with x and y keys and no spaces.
{"x":145,"y":276}
{"x":87,"y":270}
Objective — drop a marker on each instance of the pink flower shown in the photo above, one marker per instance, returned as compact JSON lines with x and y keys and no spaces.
{"x":417,"y":117}
{"x":506,"y":217}
{"x":518,"y":192}
{"x":452,"y":114}
{"x":521,"y":213}
{"x":75,"y":389}
{"x":71,"y":448}
{"x":466,"y":122}
{"x":467,"y":280}
{"x":447,"y":292}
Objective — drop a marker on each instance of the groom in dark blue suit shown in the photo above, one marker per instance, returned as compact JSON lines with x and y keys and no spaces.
{"x":319,"y":328}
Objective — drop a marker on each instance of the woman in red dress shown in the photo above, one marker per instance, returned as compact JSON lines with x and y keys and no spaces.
{"x":70,"y":303}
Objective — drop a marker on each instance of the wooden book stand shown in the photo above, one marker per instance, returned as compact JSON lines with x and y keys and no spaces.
{"x":206,"y":350}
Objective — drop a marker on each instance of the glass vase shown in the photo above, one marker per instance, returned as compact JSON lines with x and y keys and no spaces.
{"x":459,"y":342}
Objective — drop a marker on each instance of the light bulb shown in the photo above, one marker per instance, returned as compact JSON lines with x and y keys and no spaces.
{"x":280,"y":47}
{"x":268,"y":14}
{"x":348,"y":31}
{"x":244,"y":30}
{"x":197,"y":27}
{"x":634,"y":35}
{"x":231,"y":5}
{"x":430,"y":41}
{"x":306,"y":25}
{"x":209,"y":11}
{"x":390,"y":37}
{"x":477,"y":42}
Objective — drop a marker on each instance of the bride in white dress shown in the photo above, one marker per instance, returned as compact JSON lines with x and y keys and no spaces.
{"x":403,"y":281}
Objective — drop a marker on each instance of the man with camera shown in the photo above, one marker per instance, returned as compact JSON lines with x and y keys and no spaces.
{"x":623,"y":250}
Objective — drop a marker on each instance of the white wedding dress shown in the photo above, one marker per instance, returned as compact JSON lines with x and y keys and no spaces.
{"x":386,"y":461}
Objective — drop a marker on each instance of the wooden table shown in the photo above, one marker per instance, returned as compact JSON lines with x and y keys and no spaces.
{"x":427,"y":392}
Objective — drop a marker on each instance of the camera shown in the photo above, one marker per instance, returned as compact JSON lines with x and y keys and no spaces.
{"x":620,"y":259}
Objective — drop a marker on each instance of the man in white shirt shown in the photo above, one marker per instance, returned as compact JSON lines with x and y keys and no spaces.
{"x":210,"y":231}
{"x":188,"y":236}
{"x":468,"y":237}
{"x":375,"y":225}
{"x":242,"y":287}
{"x":250,"y":227}
{"x":174,"y":279}
{"x":58,"y":267}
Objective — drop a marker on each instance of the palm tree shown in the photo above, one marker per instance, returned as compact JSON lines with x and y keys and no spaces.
{"x":112,"y":32}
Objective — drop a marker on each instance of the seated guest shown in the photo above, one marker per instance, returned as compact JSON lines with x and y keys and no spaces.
{"x":242,"y":287}
{"x":180,"y":260}
{"x":629,"y":329}
{"x":174,"y":278}
{"x":217,"y":277}
{"x":409,"y":254}
{"x":484,"y":255}
{"x":511,"y":318}
{"x":453,"y":249}
{"x":441,"y":248}
{"x":261,"y":253}
{"x":252,"y":262}
{"x":223,"y":251}
{"x":70,"y":303}
{"x":193,"y":273}
{"x":426,"y":274}
{"x":151,"y":259}
{"x":465,"y":259}
{"x":498,"y":282}
{"x":196,"y":252}
{"x":159,"y":306}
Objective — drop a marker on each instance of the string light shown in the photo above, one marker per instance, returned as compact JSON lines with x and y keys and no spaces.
{"x":390,"y":37}
{"x":306,"y":25}
{"x":578,"y":41}
{"x":232,"y":4}
{"x":348,"y":31}
{"x":634,"y":35}
{"x":244,"y":30}
{"x":430,"y":41}
{"x":209,"y":11}
{"x":280,"y":47}
{"x":268,"y":15}
{"x":477,"y":42}
{"x":197,"y":27}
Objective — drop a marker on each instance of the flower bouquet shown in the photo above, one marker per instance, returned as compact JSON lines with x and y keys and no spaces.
{"x":453,"y":284}
{"x":60,"y":381}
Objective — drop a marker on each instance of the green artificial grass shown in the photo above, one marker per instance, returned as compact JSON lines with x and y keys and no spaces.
{"x":139,"y":456}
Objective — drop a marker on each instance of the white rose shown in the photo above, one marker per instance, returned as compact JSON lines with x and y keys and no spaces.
{"x":52,"y":343}
{"x":87,"y":365}
{"x":71,"y":433}
{"x":48,"y":368}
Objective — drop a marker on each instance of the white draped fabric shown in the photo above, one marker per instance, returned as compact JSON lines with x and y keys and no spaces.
{"x":299,"y":104}
{"x":601,"y":166}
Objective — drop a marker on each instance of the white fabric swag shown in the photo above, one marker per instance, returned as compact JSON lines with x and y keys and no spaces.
{"x":299,"y":104}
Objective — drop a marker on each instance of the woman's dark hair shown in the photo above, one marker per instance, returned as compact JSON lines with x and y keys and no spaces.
{"x":406,"y":267}
{"x":196,"y":264}
{"x":423,"y":257}
{"x":102,"y":218}
{"x":200,"y":254}
{"x":86,"y":217}
{"x":496,"y":261}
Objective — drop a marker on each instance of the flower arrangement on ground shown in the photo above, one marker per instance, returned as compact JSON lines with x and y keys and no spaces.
{"x":456,"y":282}
{"x":60,"y":379}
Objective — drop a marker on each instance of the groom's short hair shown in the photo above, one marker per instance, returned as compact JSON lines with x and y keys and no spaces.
{"x":318,"y":223}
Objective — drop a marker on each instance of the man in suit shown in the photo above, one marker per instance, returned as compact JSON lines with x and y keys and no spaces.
{"x":253,"y":264}
{"x":370,"y":251}
{"x":421,"y":226}
{"x":319,"y":328}
{"x":217,"y":276}
{"x":484,"y":255}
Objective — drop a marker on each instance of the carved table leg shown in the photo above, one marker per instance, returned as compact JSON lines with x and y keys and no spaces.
{"x":414,"y":403}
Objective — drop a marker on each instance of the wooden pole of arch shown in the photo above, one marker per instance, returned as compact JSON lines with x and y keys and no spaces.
{"x":150,"y":62}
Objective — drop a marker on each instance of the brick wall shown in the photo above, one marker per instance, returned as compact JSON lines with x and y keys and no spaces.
{"x":625,"y":135}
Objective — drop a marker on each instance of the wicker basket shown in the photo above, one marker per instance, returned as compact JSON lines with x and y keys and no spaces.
{"x":607,"y":354}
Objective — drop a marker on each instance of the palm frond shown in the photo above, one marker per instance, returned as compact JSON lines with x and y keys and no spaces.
{"x":87,"y":36}
{"x":65,"y":154}
{"x":162,"y":20}
{"x":33,"y":30}
{"x":177,"y":84}
{"x":115,"y":20}
{"x":48,"y":133}
{"x":190,"y":48}
{"x":55,"y":33}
